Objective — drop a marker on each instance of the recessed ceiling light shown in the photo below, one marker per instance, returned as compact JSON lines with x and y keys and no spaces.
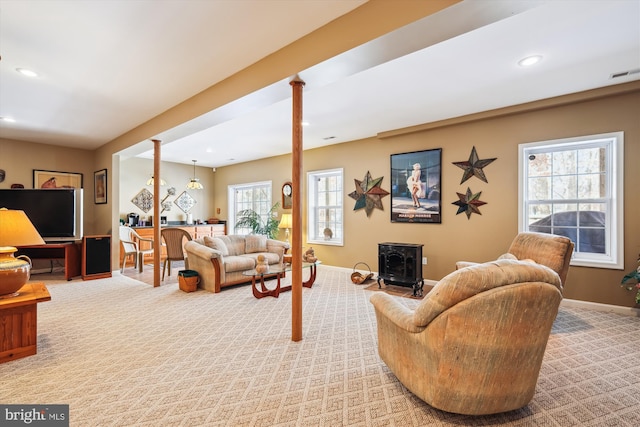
{"x":304,"y":123}
{"x":8,"y":119}
{"x":529,"y":60}
{"x":26,"y":72}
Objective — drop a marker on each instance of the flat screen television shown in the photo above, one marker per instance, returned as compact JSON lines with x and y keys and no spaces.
{"x":56,"y":213}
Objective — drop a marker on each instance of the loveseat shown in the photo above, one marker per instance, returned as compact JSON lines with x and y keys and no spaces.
{"x":221,"y":260}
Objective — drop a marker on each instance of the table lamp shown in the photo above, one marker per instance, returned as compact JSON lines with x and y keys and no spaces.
{"x":285,"y":222}
{"x":15,"y":230}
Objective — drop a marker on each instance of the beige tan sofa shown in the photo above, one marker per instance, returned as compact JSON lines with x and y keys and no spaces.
{"x":221,"y":260}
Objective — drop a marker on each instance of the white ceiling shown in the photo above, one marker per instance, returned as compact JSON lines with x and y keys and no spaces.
{"x":95,"y":87}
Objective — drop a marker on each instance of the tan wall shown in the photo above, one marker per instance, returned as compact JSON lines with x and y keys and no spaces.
{"x":482,"y":237}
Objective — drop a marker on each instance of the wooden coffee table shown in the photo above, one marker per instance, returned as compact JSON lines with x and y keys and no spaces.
{"x":279,"y":272}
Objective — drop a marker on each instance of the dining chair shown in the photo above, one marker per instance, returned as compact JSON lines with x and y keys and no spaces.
{"x":174,"y":238}
{"x":136,"y":245}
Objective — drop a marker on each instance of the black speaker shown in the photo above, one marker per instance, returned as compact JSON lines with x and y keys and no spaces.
{"x":96,"y":257}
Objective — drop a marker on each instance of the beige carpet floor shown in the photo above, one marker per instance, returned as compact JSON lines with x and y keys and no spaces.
{"x":122,"y":353}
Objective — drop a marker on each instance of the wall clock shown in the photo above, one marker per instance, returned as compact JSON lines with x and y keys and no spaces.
{"x":287,"y":194}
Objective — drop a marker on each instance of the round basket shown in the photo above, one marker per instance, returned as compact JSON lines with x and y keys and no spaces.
{"x":358,"y":278}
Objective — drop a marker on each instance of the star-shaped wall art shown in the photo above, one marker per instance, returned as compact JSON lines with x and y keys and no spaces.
{"x":469,"y":203}
{"x":473,"y":166}
{"x":368,"y":194}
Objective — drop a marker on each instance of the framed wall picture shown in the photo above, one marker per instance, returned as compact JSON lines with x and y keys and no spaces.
{"x":100,"y":187}
{"x":415,"y":186}
{"x":55,"y":179}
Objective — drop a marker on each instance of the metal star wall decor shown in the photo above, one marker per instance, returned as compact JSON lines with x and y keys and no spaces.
{"x":469,"y":203}
{"x":368,"y":194}
{"x":474,"y":166}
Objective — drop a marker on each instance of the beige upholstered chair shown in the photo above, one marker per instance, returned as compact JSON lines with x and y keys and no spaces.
{"x":133,"y":244}
{"x":547,"y":249}
{"x":474,"y":345}
{"x":174,"y":238}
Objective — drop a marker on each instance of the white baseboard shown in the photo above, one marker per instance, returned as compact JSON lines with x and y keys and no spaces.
{"x":618,"y":309}
{"x":627,"y":311}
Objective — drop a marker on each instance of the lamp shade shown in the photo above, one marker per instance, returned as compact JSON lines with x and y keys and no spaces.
{"x":285,"y":221}
{"x":151,"y":181}
{"x":15,"y":230}
{"x":194,"y":183}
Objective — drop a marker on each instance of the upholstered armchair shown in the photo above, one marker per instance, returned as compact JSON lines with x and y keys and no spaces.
{"x":547,"y":249}
{"x":474,"y":345}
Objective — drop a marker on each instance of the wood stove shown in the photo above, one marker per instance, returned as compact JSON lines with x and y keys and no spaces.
{"x":401,"y":264}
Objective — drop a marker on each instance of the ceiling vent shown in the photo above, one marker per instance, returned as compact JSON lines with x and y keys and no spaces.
{"x":624,"y":73}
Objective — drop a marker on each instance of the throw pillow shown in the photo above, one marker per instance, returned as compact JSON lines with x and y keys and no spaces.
{"x":255,"y":243}
{"x":217,"y":244}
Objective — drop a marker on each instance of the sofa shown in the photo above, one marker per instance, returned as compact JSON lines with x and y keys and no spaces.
{"x":221,"y":260}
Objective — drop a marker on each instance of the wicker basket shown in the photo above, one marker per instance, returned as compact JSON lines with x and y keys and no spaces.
{"x":359,"y":278}
{"x":188,"y":280}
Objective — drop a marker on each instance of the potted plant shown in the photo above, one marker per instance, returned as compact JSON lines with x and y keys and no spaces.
{"x":632,"y":281}
{"x":248,"y":218}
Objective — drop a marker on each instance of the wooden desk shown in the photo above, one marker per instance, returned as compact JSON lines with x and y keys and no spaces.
{"x":69,"y":251}
{"x":19,"y":321}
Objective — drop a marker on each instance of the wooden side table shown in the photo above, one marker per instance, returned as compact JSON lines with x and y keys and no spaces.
{"x":19,"y":317}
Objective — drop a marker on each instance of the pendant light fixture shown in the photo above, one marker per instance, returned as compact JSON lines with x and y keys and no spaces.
{"x":194,"y":184}
{"x":150,"y":181}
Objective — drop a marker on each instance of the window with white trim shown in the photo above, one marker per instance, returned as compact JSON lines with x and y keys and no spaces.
{"x":573,"y":187}
{"x":255,"y":196}
{"x":325,"y":211}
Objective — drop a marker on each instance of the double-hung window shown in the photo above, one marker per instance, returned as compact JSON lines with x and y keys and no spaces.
{"x":255,"y":196}
{"x":325,"y":223}
{"x":573,"y":187}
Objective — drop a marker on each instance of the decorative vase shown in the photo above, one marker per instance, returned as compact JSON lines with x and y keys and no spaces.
{"x":14,"y":272}
{"x":262,"y":268}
